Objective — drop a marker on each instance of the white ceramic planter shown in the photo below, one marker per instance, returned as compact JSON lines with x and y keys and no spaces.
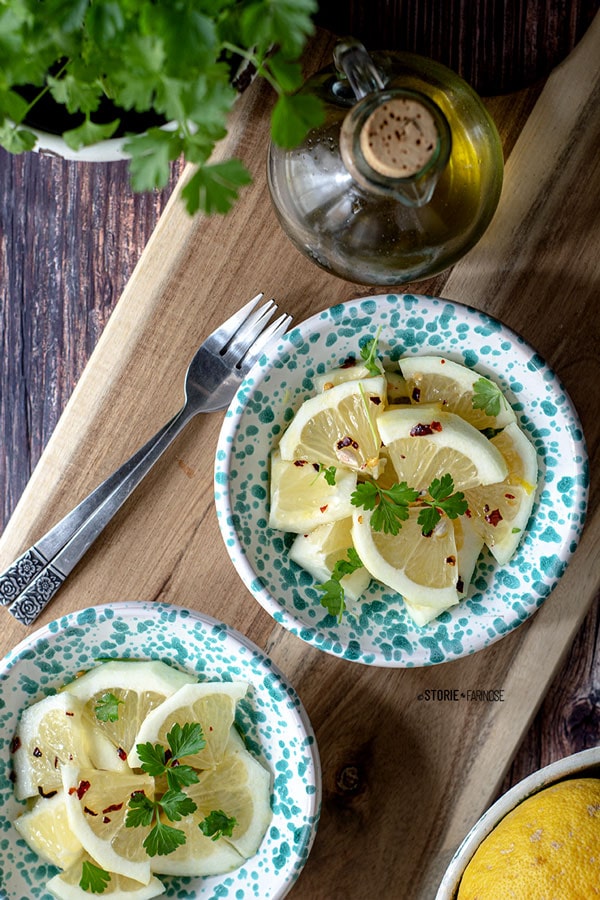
{"x":104,"y":151}
{"x":587,"y":762}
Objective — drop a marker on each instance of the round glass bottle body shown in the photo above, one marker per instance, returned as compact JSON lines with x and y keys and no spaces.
{"x":363,"y":226}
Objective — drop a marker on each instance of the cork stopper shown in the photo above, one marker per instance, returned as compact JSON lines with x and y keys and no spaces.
{"x":399,"y":138}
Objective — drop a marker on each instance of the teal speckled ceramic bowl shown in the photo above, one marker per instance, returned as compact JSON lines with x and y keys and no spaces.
{"x":501,"y":598}
{"x":271,"y":717}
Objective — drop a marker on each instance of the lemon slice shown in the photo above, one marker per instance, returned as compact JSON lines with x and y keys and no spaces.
{"x":425,"y":569}
{"x":318,"y":552}
{"x":65,"y":886}
{"x":46,"y":829}
{"x":353,"y":370}
{"x":339,"y":426}
{"x":435,"y":378}
{"x":97,"y":805}
{"x":240,"y":787}
{"x":138,"y":687}
{"x":50,"y":733}
{"x":423,"y":447}
{"x":301,"y":498}
{"x":500,"y":512}
{"x":468,"y":548}
{"x":212,"y":704}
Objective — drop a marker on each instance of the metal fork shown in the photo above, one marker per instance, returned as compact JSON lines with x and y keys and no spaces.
{"x":212,"y":378}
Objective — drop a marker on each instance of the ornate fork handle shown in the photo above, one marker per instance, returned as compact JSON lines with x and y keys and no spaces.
{"x":33,"y":579}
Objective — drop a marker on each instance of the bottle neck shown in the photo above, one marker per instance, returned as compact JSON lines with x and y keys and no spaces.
{"x":396,"y":142}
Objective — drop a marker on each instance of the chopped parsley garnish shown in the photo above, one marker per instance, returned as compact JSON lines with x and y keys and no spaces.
{"x":488,"y":397}
{"x":174,"y":804}
{"x":391,"y":505}
{"x":217,"y":824}
{"x":368,"y":353}
{"x":333,"y":598}
{"x":107,"y":708}
{"x":93,"y":878}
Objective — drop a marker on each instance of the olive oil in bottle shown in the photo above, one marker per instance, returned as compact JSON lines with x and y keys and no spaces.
{"x":403,"y":177}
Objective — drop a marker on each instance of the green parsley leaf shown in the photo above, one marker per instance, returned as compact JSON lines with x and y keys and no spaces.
{"x":151,"y":154}
{"x":333,"y":598}
{"x":368,"y":353}
{"x":186,"y":740}
{"x":152,"y":757}
{"x":328,"y":473}
{"x":93,"y":878}
{"x":488,"y":397}
{"x":215,"y":187}
{"x":176,"y":805}
{"x":16,"y":140}
{"x":89,"y":133}
{"x":140,"y":810}
{"x":163,"y":839}
{"x":107,"y":708}
{"x":390,"y":506}
{"x":217,"y":824}
{"x":293,"y":116}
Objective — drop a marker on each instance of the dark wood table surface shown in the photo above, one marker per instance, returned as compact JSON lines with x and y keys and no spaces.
{"x":71,"y":234}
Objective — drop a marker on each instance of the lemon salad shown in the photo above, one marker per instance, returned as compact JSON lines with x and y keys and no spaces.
{"x":134,"y":770}
{"x":401,"y":476}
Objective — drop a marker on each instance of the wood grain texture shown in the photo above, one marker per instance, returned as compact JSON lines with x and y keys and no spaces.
{"x":387,"y":757}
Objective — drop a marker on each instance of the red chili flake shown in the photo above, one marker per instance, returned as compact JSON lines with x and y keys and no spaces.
{"x":300,"y":462}
{"x":82,"y":788}
{"x":351,"y":361}
{"x":168,"y":755}
{"x":494,"y":517}
{"x":442,"y":362}
{"x":121,"y":753}
{"x":56,"y":762}
{"x":37,"y":752}
{"x":112,"y":808}
{"x":375,"y":400}
{"x":105,"y":820}
{"x":15,"y":744}
{"x":468,"y":514}
{"x":89,"y":811}
{"x":346,"y":442}
{"x":460,"y":585}
{"x":421,"y":430}
{"x":323,"y":508}
{"x":68,"y":713}
{"x":316,"y":467}
{"x":45,"y":794}
{"x":451,"y":560}
{"x":12,"y":777}
{"x":210,"y":728}
{"x":416,"y":394}
{"x":510,"y":496}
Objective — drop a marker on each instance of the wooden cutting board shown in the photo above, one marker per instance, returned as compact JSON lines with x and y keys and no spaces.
{"x":403,"y":779}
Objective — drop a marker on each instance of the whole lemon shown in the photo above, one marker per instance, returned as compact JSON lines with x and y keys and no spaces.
{"x":547,"y":848}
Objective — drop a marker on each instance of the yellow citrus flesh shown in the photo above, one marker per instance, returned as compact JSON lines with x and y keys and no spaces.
{"x":424,"y":569}
{"x":97,"y":804}
{"x":139,"y":687}
{"x":424,"y":447}
{"x":65,"y":886}
{"x":46,"y":829}
{"x":339,"y":426}
{"x":433,"y":378}
{"x":321,"y":549}
{"x":239,"y":787}
{"x":211,"y":704}
{"x":547,"y":847}
{"x":50,"y":733}
{"x":500,"y":512}
{"x":301,"y":498}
